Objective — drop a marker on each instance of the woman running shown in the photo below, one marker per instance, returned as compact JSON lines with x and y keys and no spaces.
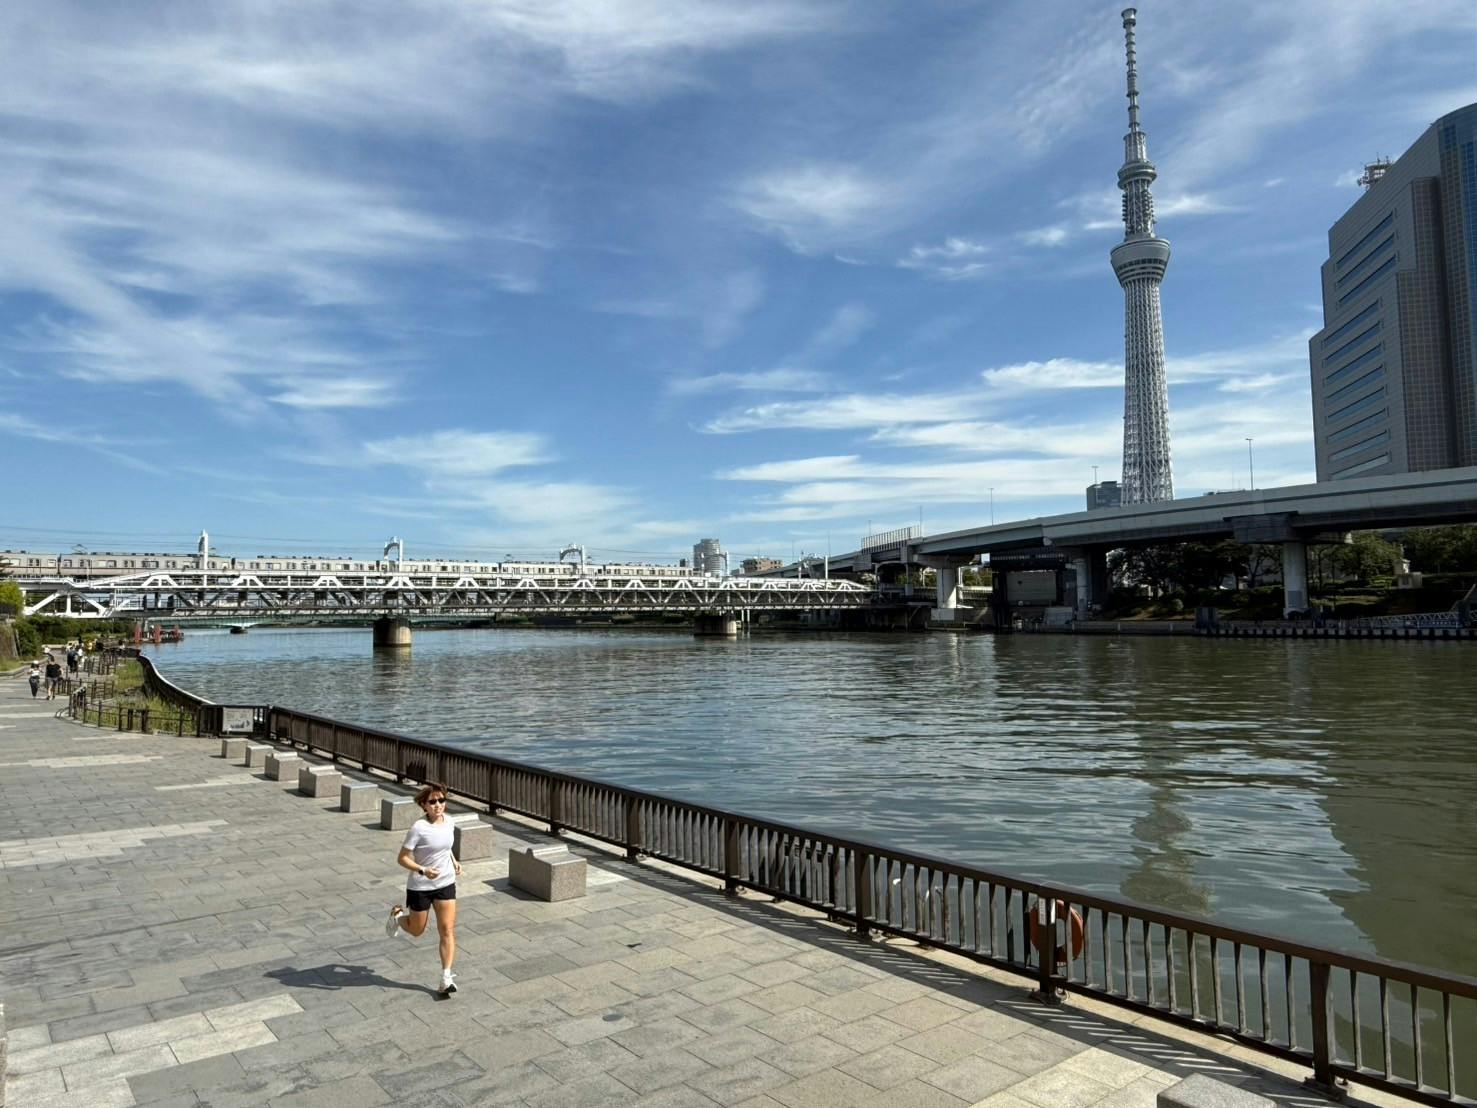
{"x":426,"y":853}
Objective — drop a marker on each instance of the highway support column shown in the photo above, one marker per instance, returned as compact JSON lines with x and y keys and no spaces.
{"x":392,"y":633}
{"x":1294,"y":578}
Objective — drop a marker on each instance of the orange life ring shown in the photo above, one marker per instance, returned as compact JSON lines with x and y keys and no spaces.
{"x":1076,"y":929}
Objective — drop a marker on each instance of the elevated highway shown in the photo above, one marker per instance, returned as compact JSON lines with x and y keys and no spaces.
{"x":1290,"y":516}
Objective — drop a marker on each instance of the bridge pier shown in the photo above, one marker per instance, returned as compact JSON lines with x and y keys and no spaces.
{"x":391,"y":633}
{"x":1294,"y":577}
{"x":724,"y":625}
{"x":946,"y":569}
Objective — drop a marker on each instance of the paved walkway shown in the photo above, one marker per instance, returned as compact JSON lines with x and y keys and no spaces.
{"x":181,"y":931}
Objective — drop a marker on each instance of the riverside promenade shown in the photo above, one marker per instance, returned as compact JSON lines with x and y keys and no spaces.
{"x":179,"y":930}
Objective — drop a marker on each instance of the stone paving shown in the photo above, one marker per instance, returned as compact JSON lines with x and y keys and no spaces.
{"x":181,"y":931}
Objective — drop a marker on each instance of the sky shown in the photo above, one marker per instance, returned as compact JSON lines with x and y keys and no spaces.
{"x":497,"y":277}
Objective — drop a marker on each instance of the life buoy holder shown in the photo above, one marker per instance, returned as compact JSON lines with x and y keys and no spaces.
{"x":1076,"y":928}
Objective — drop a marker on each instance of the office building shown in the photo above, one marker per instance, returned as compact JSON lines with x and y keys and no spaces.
{"x":708,"y":557}
{"x":1104,"y":494}
{"x":1394,"y":389}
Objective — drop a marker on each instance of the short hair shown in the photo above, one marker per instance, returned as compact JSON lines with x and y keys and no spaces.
{"x":426,"y":791}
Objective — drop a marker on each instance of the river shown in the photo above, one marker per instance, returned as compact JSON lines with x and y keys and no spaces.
{"x":1319,"y":790}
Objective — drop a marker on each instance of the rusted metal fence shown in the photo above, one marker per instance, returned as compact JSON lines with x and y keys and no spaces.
{"x":1348,"y":1017}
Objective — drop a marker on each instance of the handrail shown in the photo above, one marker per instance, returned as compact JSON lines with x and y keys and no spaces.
{"x":1351,"y":1017}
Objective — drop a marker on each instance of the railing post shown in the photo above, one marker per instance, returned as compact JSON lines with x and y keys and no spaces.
{"x":1045,"y":917}
{"x":862,"y":878}
{"x":1319,"y":1011}
{"x":730,"y":855}
{"x":553,"y":805}
{"x":633,"y":829}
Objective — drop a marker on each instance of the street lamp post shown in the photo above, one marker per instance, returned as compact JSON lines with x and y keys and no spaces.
{"x":1250,"y":467}
{"x":992,"y":506}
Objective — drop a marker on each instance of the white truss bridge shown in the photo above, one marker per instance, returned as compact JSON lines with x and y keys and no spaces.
{"x":186,"y":594}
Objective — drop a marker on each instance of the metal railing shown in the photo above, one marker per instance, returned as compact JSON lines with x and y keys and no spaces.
{"x":1349,"y":1017}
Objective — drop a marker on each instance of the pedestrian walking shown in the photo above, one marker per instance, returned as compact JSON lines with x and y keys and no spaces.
{"x":53,"y":677}
{"x":74,"y":660}
{"x":426,"y":853}
{"x":35,"y":678}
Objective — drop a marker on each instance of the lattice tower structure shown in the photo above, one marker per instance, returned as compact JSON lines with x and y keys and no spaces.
{"x":1139,"y":262}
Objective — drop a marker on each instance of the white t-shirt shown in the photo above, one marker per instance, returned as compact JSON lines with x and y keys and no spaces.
{"x":430,"y":845}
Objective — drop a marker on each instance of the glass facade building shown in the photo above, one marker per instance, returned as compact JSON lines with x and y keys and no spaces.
{"x":1393,"y":379}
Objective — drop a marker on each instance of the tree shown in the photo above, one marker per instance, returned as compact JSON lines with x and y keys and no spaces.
{"x":1450,"y":549}
{"x":12,"y":600}
{"x":1366,"y":557}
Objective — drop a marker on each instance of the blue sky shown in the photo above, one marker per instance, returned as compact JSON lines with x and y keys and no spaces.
{"x":494,"y":277}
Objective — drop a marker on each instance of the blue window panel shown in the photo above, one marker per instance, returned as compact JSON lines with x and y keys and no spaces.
{"x":1375,"y":276}
{"x":1345,"y":433}
{"x":1358,"y":406}
{"x":1362,"y":467}
{"x":1358,"y":320}
{"x":1377,"y":374}
{"x":1343,"y":373}
{"x":1362,"y":243}
{"x":1360,"y":447}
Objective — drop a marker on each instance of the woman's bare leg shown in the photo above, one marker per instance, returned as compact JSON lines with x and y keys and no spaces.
{"x":446,"y":928}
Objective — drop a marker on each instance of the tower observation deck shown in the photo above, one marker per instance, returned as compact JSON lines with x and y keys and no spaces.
{"x":1140,"y":261}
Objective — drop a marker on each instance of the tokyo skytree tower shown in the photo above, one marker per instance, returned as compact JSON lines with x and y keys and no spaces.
{"x":1139,"y":261}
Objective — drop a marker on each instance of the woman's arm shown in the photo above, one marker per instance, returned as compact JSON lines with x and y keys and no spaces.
{"x":407,"y":859}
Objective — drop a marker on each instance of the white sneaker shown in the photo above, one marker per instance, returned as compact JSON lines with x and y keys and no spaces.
{"x":448,"y":982}
{"x":392,"y":925}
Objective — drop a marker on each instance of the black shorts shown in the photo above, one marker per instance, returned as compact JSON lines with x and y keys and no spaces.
{"x":419,"y":900}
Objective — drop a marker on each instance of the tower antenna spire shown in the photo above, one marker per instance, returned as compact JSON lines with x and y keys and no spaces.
{"x":1130,"y":20}
{"x":1140,"y":261}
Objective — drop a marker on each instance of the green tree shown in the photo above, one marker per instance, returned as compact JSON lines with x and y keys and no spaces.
{"x":1366,"y":557}
{"x":12,"y":600}
{"x":1450,"y":549}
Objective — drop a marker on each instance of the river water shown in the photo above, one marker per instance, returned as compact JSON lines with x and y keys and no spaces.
{"x":1321,"y":790}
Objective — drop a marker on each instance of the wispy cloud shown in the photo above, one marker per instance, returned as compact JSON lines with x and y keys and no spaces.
{"x":338,"y":392}
{"x":457,"y":453}
{"x":769,"y":380}
{"x":953,"y":259}
{"x":799,"y":200}
{"x":838,"y":413}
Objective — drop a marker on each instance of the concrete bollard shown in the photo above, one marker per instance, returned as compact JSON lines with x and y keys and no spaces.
{"x":472,"y":841}
{"x":318,"y":780}
{"x":256,"y":753}
{"x":357,"y":796}
{"x":232,"y":750}
{"x":1199,"y":1091}
{"x":397,"y":812}
{"x":547,"y":872}
{"x":282,"y":766}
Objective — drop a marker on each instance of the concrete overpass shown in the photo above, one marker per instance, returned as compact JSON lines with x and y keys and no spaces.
{"x":1290,"y":516}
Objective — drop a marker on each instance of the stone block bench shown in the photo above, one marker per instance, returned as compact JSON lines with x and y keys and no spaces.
{"x":547,"y":872}
{"x":397,"y":812}
{"x":233,"y":750}
{"x":256,"y":753}
{"x":358,"y":796}
{"x":473,"y":840}
{"x":319,"y":780}
{"x":282,"y":766}
{"x":1199,"y":1091}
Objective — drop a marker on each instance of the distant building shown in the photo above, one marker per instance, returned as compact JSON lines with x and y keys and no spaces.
{"x":1104,"y":494}
{"x":750,"y":566}
{"x":708,"y":557}
{"x":1394,"y":383}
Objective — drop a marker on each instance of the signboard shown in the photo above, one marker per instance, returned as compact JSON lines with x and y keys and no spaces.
{"x":238,"y":721}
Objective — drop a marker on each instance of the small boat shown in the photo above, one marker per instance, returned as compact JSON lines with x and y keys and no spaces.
{"x":237,"y":629}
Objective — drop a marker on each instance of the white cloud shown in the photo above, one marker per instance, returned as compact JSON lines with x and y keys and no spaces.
{"x":339,"y":392}
{"x":839,"y":413}
{"x":953,"y":259}
{"x":1054,"y":235}
{"x":457,"y":453}
{"x":770,"y":380}
{"x":805,"y":200}
{"x":1055,"y":373}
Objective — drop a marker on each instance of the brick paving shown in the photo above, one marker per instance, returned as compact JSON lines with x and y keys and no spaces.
{"x":181,"y":931}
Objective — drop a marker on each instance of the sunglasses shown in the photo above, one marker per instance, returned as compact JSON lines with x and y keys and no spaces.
{"x":436,"y":800}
